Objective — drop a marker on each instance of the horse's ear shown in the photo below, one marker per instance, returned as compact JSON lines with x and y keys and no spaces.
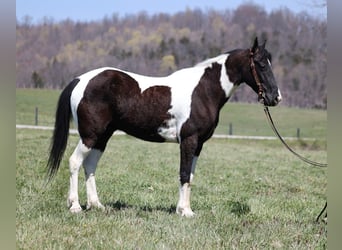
{"x":255,"y":45}
{"x":264,"y":44}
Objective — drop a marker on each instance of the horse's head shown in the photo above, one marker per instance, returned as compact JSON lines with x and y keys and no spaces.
{"x":259,"y":76}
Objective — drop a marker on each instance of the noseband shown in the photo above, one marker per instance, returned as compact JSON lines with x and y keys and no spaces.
{"x":256,"y":78}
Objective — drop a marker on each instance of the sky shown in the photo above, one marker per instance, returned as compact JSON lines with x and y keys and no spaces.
{"x":93,"y":10}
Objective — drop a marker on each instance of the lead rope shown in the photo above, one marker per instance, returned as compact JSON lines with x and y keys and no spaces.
{"x":269,"y":118}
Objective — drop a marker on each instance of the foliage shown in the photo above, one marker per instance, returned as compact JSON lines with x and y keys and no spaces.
{"x":158,"y":44}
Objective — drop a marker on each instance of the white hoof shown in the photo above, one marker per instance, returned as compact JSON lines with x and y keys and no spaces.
{"x":187,"y":212}
{"x":75,"y":208}
{"x":73,"y":205}
{"x":95,"y":204}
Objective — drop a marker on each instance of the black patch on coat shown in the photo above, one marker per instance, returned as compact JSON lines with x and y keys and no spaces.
{"x":113,"y":101}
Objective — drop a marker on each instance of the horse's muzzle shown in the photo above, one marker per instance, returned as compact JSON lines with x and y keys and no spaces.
{"x":271,"y":102}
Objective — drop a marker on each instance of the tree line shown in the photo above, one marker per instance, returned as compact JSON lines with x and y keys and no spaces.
{"x":49,"y":54}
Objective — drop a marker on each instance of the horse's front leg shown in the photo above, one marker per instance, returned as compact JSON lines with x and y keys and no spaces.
{"x":75,"y":162}
{"x":187,"y":147}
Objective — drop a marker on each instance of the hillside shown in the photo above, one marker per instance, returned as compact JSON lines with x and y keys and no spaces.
{"x":50,"y":54}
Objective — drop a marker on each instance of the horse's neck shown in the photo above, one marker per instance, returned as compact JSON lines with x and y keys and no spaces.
{"x":226,"y":85}
{"x":217,"y":84}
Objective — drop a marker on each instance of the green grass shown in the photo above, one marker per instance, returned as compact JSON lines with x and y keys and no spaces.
{"x":27,"y":100}
{"x":246,"y":195}
{"x":247,"y":119}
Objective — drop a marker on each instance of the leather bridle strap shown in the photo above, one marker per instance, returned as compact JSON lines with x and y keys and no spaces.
{"x":256,"y":77}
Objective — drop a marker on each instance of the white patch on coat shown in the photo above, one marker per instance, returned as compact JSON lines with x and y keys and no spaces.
{"x":227,"y":86}
{"x":169,"y":131}
{"x":279,"y":97}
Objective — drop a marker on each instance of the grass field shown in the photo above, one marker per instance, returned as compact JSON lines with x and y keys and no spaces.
{"x":246,"y":194}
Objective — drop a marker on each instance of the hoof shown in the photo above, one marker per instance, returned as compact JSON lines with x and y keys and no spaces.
{"x":74,"y":206}
{"x":186,"y":212}
{"x":96,"y":205}
{"x":75,"y":209}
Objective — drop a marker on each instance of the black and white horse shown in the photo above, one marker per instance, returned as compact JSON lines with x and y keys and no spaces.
{"x":182,"y":107}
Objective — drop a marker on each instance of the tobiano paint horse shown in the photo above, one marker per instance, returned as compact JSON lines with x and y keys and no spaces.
{"x":182,"y":108}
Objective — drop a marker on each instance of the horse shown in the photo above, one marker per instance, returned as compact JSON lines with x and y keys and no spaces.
{"x":182,"y":107}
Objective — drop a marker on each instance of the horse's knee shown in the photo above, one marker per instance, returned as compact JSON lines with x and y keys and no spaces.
{"x":74,"y":164}
{"x":76,"y":159}
{"x":185,"y":177}
{"x":90,"y":163}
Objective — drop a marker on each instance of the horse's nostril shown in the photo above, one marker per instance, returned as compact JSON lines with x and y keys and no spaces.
{"x":279,"y":98}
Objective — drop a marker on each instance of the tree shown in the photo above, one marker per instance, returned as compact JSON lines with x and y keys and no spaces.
{"x":168,"y":64}
{"x":37,"y":80}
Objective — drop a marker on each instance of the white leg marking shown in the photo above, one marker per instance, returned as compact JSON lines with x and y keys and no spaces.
{"x":75,"y":162}
{"x":193,"y":167}
{"x":90,"y":164}
{"x":183,"y":206}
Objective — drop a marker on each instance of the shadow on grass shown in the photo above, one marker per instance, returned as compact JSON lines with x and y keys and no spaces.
{"x":120,"y":205}
{"x":236,"y":207}
{"x":239,"y":208}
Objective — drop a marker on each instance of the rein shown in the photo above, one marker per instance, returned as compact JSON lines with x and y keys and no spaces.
{"x":270,"y":121}
{"x":269,"y":118}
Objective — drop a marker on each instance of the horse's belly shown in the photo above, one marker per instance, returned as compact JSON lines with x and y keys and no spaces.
{"x":168,"y":130}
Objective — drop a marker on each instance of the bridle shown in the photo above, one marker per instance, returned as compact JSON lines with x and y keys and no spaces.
{"x":270,"y":120}
{"x":256,"y":77}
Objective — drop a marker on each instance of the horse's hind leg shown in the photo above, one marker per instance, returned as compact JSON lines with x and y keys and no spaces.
{"x":90,"y":164}
{"x":75,"y":162}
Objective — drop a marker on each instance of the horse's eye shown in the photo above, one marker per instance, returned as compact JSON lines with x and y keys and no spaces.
{"x":262,"y":65}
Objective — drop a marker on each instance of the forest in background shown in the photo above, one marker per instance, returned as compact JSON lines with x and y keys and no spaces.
{"x":50,"y":54}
